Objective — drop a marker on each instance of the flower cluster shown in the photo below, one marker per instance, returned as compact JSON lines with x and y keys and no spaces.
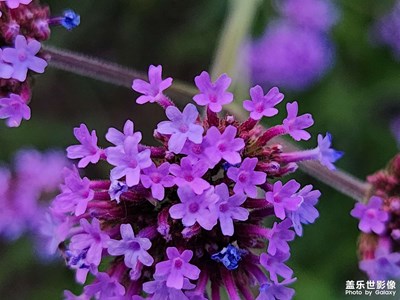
{"x":380,"y":238}
{"x":170,"y":219}
{"x":24,"y":24}
{"x":27,"y":189}
{"x":295,"y":51}
{"x":387,"y":30}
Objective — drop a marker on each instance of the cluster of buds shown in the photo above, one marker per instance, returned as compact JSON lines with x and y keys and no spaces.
{"x":379,"y":243}
{"x":24,"y":24}
{"x":26,"y":190}
{"x":171,"y":218}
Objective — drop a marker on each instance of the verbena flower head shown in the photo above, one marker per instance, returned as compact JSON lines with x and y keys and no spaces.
{"x":319,"y":15}
{"x":289,"y":56}
{"x":379,"y":242}
{"x":189,"y":211}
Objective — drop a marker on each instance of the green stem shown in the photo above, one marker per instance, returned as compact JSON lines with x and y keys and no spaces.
{"x":112,"y":73}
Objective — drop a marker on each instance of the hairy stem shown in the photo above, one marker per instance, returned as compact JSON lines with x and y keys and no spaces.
{"x":115,"y":74}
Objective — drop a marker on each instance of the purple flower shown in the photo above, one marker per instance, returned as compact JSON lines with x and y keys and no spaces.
{"x":177,"y":268}
{"x":117,"y":188}
{"x":326,"y":155}
{"x":6,"y":70}
{"x":15,"y":3}
{"x":195,"y":208}
{"x":384,"y":266}
{"x":274,"y":264}
{"x":160,"y":291}
{"x":272,"y":290}
{"x":128,"y":161}
{"x":188,"y":174}
{"x":182,"y":126}
{"x":228,"y":209}
{"x":283,"y":198}
{"x":306,"y":213}
{"x":153,"y":90}
{"x":262,"y":105}
{"x":157,"y":178}
{"x":14,"y":109}
{"x":213,"y":94}
{"x":117,"y":137}
{"x":246,"y":178}
{"x":133,"y":248}
{"x":68,"y":295}
{"x":196,"y":152}
{"x":372,"y":216}
{"x":279,"y":235}
{"x":88,"y":151}
{"x":289,"y":56}
{"x":76,"y":193}
{"x":92,"y":240}
{"x":223,"y":145}
{"x":294,"y":125}
{"x":319,"y":15}
{"x":105,"y":287}
{"x":54,"y":230}
{"x":23,"y":57}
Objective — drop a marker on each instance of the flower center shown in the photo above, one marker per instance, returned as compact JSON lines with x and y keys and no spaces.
{"x":22,"y":56}
{"x":224,"y":207}
{"x":221,"y":147}
{"x":183,"y":128}
{"x":135,"y":246}
{"x":189,"y":177}
{"x":371,"y":213}
{"x":194,"y":207}
{"x":197,"y":149}
{"x":213,"y":98}
{"x":155,"y":177}
{"x":243,"y":177}
{"x":178,"y":263}
{"x":259,"y":107}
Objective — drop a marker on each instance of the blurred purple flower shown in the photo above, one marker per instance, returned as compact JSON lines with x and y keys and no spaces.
{"x":160,"y":291}
{"x":262,"y":105}
{"x":153,"y":90}
{"x":15,"y":3}
{"x":177,"y":268}
{"x":14,"y":109}
{"x":88,"y":151}
{"x":372,"y":216}
{"x":6,"y":70}
{"x":214,"y":95}
{"x":105,"y":287}
{"x":272,"y":291}
{"x":182,"y":127}
{"x":245,"y":178}
{"x":384,"y":266}
{"x":23,"y":57}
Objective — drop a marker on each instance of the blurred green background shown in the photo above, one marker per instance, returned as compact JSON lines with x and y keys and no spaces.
{"x":355,"y":102}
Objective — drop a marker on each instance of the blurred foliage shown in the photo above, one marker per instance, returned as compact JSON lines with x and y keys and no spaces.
{"x":354,"y":102}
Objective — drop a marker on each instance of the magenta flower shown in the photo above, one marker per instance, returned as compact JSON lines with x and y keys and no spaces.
{"x":14,"y":109}
{"x":228,"y":209}
{"x":177,"y":268}
{"x":157,"y":178}
{"x":195,"y":208}
{"x":294,"y":125}
{"x":88,"y":151}
{"x":274,"y":264}
{"x":92,"y":240}
{"x":153,"y":90}
{"x":23,"y":57}
{"x":6,"y":70}
{"x":262,"y":105}
{"x":133,"y":248}
{"x":272,"y":290}
{"x":213,"y":94}
{"x":223,"y":145}
{"x":117,"y":137}
{"x":160,"y":291}
{"x":279,"y":235}
{"x":15,"y":3}
{"x":76,"y":193}
{"x":306,"y":213}
{"x":246,"y":178}
{"x":283,"y":198}
{"x":383,"y":266}
{"x":188,"y":174}
{"x":372,"y":216}
{"x":128,"y":161}
{"x":182,"y":127}
{"x":105,"y":287}
{"x":196,"y":152}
